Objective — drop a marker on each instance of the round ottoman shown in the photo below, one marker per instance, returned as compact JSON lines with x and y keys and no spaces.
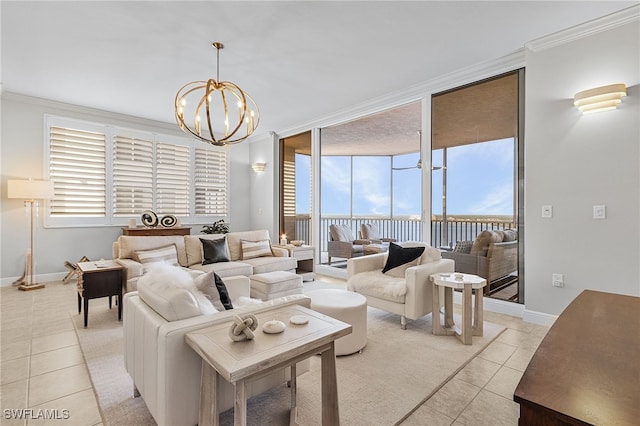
{"x":348,"y":307}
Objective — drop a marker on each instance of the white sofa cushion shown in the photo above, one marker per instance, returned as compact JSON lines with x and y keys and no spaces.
{"x":171,"y":292}
{"x":261,"y":265}
{"x":225,"y":269}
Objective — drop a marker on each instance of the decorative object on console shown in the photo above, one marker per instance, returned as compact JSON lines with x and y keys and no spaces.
{"x":168,"y":221}
{"x":602,"y":98}
{"x":297,"y":243}
{"x":213,"y":102}
{"x":273,"y":327}
{"x":149,"y":218}
{"x":283,"y":240}
{"x":30,"y":191}
{"x":243,"y":327}
{"x":218,"y":227}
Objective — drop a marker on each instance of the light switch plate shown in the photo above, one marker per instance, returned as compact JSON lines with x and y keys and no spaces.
{"x":547,"y":211}
{"x":599,"y":212}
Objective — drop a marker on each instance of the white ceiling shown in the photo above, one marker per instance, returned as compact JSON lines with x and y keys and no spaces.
{"x":299,"y":60}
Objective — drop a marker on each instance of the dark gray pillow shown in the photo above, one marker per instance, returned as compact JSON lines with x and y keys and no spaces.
{"x":399,"y":255}
{"x":214,"y":251}
{"x":215,"y":290}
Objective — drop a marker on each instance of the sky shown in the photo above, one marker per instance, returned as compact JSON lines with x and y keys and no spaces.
{"x":479,"y":181}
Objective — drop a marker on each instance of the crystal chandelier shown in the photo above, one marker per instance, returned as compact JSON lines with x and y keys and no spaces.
{"x":220,"y":113}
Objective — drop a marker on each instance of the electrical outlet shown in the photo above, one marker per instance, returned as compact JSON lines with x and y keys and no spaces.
{"x":557,"y":280}
{"x":547,"y":211}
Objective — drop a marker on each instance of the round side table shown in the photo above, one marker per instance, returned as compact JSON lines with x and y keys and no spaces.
{"x":468,"y":284}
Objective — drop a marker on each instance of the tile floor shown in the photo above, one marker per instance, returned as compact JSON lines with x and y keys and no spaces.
{"x":42,"y":367}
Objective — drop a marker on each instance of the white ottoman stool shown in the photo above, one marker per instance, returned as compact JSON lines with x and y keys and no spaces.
{"x":348,"y":307}
{"x":271,"y":285}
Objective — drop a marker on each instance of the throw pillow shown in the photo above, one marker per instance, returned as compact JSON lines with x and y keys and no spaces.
{"x":214,"y":289}
{"x":167,"y":254}
{"x":214,"y":251}
{"x":400,"y":258}
{"x":463,"y":246}
{"x":253,"y":249}
{"x":163,"y":289}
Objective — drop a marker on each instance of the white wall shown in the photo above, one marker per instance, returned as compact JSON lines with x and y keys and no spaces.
{"x":22,"y":156}
{"x":576,"y":161}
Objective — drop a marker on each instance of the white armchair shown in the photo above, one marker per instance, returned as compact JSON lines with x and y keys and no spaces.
{"x":409,"y":296}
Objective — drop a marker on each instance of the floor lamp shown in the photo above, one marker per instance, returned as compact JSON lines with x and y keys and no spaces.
{"x":30,"y":191}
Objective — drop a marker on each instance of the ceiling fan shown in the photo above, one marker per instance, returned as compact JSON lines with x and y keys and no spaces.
{"x":417,"y":166}
{"x":419,"y":163}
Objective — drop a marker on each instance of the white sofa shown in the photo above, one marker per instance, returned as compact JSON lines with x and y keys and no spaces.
{"x":190,"y":254}
{"x":409,"y":296}
{"x":164,"y":369}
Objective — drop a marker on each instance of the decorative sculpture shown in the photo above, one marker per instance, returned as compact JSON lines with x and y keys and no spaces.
{"x":243,"y":327}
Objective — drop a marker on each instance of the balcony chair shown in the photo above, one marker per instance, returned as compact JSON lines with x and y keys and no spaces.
{"x":342,"y":244}
{"x":369,"y":231}
{"x":405,"y":290}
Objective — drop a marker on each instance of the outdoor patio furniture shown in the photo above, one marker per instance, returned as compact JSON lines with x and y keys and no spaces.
{"x":342,"y":244}
{"x":369,"y":231}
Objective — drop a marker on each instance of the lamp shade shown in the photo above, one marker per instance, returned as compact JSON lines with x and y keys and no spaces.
{"x":30,"y":189}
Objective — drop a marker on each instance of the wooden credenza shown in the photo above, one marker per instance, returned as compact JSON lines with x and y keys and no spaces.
{"x":156,"y":231}
{"x":586,"y":371}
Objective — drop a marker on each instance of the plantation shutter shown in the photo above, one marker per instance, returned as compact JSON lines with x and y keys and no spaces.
{"x":77,"y":167}
{"x":210,"y":182}
{"x":132,"y":176}
{"x":172,"y":179}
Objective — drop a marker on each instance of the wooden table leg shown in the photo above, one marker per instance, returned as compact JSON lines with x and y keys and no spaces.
{"x":294,"y":403}
{"x":208,"y":402}
{"x":436,"y":327}
{"x":330,"y":409}
{"x":448,"y":307}
{"x":478,"y":328}
{"x":240,"y":408}
{"x":86,"y":311}
{"x":466,"y":332}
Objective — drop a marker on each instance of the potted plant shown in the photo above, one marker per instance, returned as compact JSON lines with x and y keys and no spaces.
{"x":218,"y":227}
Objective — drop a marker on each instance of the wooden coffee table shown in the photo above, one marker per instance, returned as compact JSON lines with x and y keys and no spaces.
{"x":467,"y":283}
{"x":242,"y":362}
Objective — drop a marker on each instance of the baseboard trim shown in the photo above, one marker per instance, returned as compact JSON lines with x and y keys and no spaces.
{"x":42,"y":278}
{"x":538,"y":317}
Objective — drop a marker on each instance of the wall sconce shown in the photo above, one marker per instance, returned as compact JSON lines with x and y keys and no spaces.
{"x":600,"y":99}
{"x":258,"y":167}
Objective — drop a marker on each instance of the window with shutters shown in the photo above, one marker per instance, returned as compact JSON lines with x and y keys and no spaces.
{"x":105,"y":175}
{"x":210,"y":182}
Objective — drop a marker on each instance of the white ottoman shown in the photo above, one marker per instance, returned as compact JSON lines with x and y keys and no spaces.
{"x":348,"y":307}
{"x":271,"y":285}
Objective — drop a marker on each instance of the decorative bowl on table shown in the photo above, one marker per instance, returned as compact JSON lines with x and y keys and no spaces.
{"x":297,"y":243}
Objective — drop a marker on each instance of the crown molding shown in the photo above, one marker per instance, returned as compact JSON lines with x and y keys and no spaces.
{"x":605,"y":23}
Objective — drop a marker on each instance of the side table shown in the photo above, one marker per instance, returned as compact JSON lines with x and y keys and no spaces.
{"x":104,"y":278}
{"x":305,"y":255}
{"x":467,"y":283}
{"x":240,"y":362}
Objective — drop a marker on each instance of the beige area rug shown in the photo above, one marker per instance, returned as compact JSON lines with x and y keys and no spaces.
{"x":395,"y":373}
